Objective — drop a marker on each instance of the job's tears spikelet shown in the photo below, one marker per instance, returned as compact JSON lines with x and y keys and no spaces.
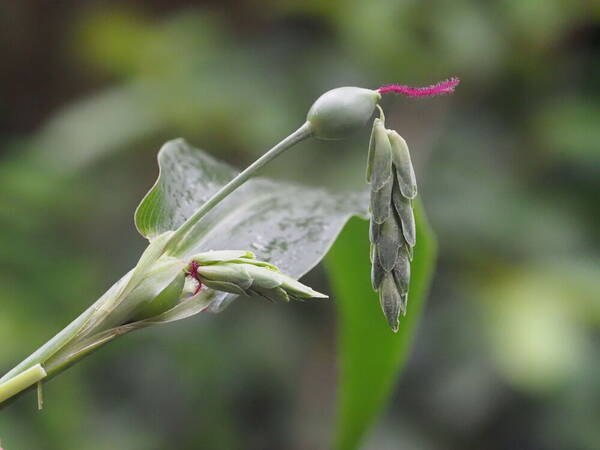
{"x":164,"y":287}
{"x":392,"y":178}
{"x":238,"y":272}
{"x":392,"y":229}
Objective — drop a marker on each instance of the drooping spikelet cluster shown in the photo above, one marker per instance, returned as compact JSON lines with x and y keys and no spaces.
{"x":392,"y":229}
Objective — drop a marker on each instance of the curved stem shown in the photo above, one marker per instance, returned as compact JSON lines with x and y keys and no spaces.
{"x":30,"y":371}
{"x":179,"y":236}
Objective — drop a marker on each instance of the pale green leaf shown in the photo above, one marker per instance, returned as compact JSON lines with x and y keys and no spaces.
{"x":290,"y":226}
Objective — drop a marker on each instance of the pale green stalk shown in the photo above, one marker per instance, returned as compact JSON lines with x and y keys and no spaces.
{"x":51,"y":347}
{"x":184,"y":230}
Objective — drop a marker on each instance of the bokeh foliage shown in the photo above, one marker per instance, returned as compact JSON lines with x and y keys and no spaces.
{"x":508,"y":171}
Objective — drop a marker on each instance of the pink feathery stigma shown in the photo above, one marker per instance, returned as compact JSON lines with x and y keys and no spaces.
{"x":193,"y":272}
{"x":443,"y":87}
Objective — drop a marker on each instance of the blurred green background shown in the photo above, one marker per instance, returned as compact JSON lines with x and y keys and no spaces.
{"x":509,"y":170}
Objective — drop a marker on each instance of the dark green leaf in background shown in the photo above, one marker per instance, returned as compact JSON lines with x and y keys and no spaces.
{"x":370,"y":354}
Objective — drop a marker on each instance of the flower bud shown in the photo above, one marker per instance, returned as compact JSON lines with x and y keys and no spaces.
{"x":237,"y":272}
{"x":391,"y":300}
{"x":382,"y":156}
{"x":404,"y":168}
{"x":341,"y":111}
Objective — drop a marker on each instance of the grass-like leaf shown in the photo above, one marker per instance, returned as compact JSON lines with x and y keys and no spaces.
{"x":371,"y":356}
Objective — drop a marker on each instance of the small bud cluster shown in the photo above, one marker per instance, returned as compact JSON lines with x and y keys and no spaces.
{"x":392,"y":229}
{"x":238,"y":272}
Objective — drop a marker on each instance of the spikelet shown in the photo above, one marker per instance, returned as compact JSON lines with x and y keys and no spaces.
{"x":392,"y":229}
{"x":237,"y":272}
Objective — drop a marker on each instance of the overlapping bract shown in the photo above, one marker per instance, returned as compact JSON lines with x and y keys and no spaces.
{"x":237,"y":272}
{"x":392,"y":231}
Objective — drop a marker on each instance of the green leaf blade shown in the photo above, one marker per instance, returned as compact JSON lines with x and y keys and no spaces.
{"x":288,"y":225}
{"x":187,"y":178}
{"x":370,"y":354}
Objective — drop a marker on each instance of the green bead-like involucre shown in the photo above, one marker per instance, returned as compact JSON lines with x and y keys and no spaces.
{"x":339,"y":112}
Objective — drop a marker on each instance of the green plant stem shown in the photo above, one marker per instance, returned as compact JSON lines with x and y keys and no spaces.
{"x":50,"y":347}
{"x":19,"y":379}
{"x":184,"y":231}
{"x":22,"y":381}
